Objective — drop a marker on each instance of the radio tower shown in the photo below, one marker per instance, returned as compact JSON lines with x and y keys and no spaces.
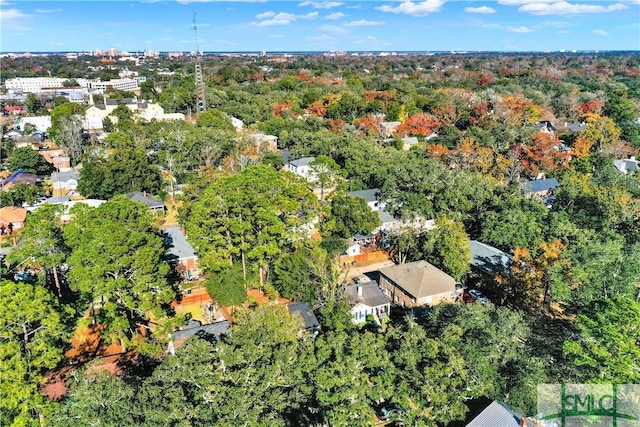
{"x":201,"y":104}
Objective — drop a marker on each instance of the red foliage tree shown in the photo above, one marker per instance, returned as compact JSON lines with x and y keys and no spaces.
{"x":369,"y":124}
{"x":485,"y":79}
{"x":316,"y":109}
{"x":280,"y":107}
{"x":592,"y":107}
{"x":418,"y":124}
{"x":543,"y":154}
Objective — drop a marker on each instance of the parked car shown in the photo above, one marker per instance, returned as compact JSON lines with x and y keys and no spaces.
{"x":467,"y":298}
{"x":386,"y":410}
{"x":478,"y":296}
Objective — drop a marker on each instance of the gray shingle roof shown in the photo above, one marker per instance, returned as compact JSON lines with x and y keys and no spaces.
{"x":495,"y":415}
{"x":370,"y":195}
{"x":138,"y":196}
{"x":215,"y":329}
{"x":539,"y":185}
{"x":487,"y":258}
{"x":178,"y":245}
{"x":372,"y":295}
{"x":302,"y":162}
{"x":304,"y":310}
{"x":420,"y":279}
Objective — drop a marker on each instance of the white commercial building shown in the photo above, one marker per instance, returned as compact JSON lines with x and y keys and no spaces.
{"x":118,"y":84}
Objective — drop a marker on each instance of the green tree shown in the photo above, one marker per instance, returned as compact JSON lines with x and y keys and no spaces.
{"x":350,"y":215}
{"x":327,"y":173}
{"x":32,"y":333}
{"x":264,"y":366}
{"x":42,"y":246}
{"x":30,"y":161}
{"x":126,"y":170}
{"x":66,"y":110}
{"x":608,"y":347}
{"x":20,"y":194}
{"x":96,"y":397}
{"x":447,"y":247}
{"x":295,"y":275}
{"x":116,"y":263}
{"x":496,"y":348}
{"x":228,"y":286}
{"x":178,"y":391}
{"x":214,"y":118}
{"x":250,"y":216}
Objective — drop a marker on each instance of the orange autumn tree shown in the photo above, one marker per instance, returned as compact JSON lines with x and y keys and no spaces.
{"x":417,"y":124}
{"x":437,"y":150}
{"x":543,"y":154}
{"x":536,"y":281}
{"x":280,"y":107}
{"x":581,"y":147}
{"x":369,"y":124}
{"x":317,"y":109}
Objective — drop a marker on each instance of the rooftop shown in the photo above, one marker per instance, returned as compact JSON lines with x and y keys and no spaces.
{"x":420,"y":279}
{"x":371,"y":294}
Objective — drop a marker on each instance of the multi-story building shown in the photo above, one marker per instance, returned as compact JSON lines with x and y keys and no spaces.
{"x":118,"y":84}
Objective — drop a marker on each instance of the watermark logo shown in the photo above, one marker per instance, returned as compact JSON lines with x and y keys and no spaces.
{"x":594,"y":405}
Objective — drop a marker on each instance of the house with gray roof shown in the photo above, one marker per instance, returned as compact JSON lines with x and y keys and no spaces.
{"x":498,"y":415}
{"x":418,"y":284}
{"x":65,"y":181}
{"x":181,"y":254}
{"x":539,"y":187}
{"x":627,"y":165}
{"x":196,"y":328}
{"x":576,"y":127}
{"x":367,"y":299}
{"x":487,"y":259}
{"x":309,"y":321}
{"x":155,"y":205}
{"x":302,"y":167}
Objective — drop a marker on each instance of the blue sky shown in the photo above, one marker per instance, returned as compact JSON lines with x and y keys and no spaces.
{"x":245,"y":25}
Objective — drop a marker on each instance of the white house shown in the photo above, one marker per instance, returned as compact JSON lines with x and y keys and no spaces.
{"x":42,"y":123}
{"x":302,"y":167}
{"x":65,"y":181}
{"x":367,"y":299}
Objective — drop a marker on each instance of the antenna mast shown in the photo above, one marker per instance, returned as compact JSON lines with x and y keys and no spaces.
{"x":201,"y":104}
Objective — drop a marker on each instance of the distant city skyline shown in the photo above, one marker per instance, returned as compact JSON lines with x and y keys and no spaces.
{"x":245,"y":25}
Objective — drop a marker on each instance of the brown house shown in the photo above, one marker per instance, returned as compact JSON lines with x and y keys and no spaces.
{"x":418,"y":284}
{"x":11,"y":219}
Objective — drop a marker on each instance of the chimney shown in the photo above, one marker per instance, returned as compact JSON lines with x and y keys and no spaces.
{"x":91,"y":99}
{"x":359,"y":288}
{"x":104,"y":98}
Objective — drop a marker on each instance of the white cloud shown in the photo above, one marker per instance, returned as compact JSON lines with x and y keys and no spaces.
{"x":11,"y":14}
{"x":600,"y":33}
{"x":265,"y":15}
{"x":322,"y":4}
{"x":362,"y":23}
{"x":552,"y":24}
{"x":332,"y":29}
{"x":335,"y":16}
{"x":366,"y":39}
{"x":416,"y":9}
{"x":565,"y":8}
{"x":48,"y":10}
{"x":271,"y":18}
{"x":521,"y":2}
{"x":482,"y":9}
{"x":520,"y":29}
{"x":14,"y":20}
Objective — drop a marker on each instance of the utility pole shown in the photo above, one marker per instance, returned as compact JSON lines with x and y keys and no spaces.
{"x":201,"y":103}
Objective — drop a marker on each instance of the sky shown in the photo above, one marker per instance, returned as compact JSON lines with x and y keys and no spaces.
{"x":308,"y":25}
